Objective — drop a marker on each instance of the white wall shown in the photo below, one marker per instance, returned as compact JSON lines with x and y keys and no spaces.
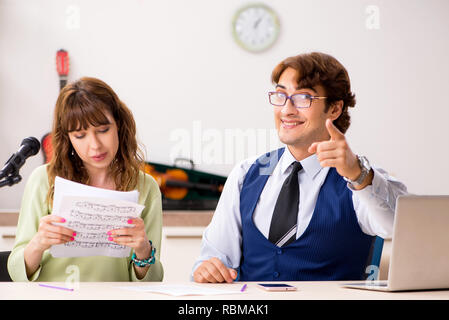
{"x":175,"y":64}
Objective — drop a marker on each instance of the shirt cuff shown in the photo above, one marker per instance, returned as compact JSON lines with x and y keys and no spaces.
{"x":378,"y":187}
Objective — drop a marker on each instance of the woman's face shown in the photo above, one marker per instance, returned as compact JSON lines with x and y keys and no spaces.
{"x":96,"y":146}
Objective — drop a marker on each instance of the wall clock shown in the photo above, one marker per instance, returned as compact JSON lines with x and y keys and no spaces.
{"x":255,"y":27}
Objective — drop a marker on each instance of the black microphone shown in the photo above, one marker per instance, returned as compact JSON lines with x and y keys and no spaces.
{"x":29,"y":147}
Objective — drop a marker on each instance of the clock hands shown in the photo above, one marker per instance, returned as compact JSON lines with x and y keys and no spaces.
{"x":255,"y":27}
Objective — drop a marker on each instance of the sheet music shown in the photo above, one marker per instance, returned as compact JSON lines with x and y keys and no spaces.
{"x":91,"y":213}
{"x":64,"y":187}
{"x":178,"y":290}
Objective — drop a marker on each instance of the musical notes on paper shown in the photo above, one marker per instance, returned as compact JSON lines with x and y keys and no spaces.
{"x":98,"y":217}
{"x":91,"y":218}
{"x":76,"y":225}
{"x":81,"y":244}
{"x":95,"y":207}
{"x":81,"y":236}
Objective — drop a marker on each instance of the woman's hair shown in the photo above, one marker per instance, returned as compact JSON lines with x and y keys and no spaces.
{"x":79,"y":105}
{"x":318,"y":68}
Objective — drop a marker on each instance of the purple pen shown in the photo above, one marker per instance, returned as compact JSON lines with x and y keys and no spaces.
{"x":243,"y":288}
{"x":55,"y":287}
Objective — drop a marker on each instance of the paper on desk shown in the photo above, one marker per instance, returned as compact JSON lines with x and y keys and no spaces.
{"x":181,"y":290}
{"x":91,"y":213}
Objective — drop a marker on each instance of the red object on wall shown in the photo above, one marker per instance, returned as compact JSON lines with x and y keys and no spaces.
{"x":62,"y":67}
{"x":47,"y":147}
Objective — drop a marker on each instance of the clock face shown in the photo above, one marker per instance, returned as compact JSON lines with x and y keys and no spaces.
{"x":255,"y":27}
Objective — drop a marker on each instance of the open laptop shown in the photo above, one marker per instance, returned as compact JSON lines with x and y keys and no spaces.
{"x":420,"y":246}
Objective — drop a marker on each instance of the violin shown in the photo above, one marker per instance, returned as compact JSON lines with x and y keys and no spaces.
{"x":175,"y":184}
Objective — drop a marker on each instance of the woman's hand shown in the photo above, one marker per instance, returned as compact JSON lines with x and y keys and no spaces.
{"x":49,"y":234}
{"x":134,"y":237}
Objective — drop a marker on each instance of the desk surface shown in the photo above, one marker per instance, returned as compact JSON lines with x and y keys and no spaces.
{"x":325,"y":290}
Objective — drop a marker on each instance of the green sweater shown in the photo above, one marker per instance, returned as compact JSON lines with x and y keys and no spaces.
{"x":97,"y":268}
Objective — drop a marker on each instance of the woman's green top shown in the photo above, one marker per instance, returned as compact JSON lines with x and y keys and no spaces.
{"x":96,"y":268}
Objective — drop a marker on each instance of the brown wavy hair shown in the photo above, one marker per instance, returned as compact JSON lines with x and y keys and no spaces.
{"x":79,"y":105}
{"x":318,"y":68}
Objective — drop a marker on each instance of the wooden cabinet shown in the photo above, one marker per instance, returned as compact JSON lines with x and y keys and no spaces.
{"x":180,"y":249}
{"x":7,"y":237}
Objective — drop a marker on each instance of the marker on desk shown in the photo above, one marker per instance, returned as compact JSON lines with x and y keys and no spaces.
{"x":55,"y":287}
{"x":243,"y":288}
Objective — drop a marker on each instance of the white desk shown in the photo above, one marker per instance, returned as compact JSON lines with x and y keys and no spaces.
{"x":325,"y":290}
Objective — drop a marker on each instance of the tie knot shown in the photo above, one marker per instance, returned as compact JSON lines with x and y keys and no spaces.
{"x":296,"y":167}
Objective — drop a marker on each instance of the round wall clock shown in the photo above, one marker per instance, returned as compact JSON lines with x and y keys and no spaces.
{"x":255,"y":27}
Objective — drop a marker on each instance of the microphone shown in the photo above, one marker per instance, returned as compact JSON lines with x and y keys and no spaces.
{"x":29,"y":147}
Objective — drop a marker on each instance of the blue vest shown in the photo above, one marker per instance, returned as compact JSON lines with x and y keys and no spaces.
{"x":333,"y":247}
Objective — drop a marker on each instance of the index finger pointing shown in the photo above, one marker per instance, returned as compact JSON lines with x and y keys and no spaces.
{"x":333,"y":131}
{"x":313,"y":147}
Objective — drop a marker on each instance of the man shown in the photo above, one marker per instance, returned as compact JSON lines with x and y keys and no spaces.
{"x":311,"y":210}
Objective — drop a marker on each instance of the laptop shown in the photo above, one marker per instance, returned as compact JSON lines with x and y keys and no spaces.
{"x":420,"y":246}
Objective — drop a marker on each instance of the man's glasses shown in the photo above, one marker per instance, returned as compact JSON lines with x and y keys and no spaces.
{"x":299,"y":100}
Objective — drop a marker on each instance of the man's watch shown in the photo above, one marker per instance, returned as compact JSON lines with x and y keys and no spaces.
{"x":366,"y":168}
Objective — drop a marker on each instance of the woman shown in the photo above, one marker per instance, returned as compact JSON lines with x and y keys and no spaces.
{"x":94,"y":143}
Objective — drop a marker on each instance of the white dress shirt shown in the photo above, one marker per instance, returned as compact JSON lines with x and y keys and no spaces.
{"x":374,"y":206}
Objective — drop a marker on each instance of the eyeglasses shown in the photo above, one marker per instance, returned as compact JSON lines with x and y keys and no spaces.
{"x":299,"y":100}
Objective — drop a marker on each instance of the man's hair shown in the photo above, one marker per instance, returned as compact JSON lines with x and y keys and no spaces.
{"x":318,"y":68}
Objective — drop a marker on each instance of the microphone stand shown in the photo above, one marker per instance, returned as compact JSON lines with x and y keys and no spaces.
{"x":9,"y":175}
{"x":11,"y":180}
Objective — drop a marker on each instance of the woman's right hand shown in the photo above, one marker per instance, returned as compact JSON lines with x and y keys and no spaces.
{"x":49,"y":234}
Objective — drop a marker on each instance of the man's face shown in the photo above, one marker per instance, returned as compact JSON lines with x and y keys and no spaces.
{"x":300,"y":127}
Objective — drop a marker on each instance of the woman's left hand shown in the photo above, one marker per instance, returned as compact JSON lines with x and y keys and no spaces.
{"x":134,"y":237}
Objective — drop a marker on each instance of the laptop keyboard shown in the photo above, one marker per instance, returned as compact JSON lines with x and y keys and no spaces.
{"x":381,"y":284}
{"x":370,"y":284}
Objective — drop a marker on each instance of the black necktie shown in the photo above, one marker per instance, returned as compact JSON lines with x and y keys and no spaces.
{"x":285,"y":214}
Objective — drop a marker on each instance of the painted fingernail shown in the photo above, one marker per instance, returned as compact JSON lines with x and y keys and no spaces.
{"x":74,"y":234}
{"x":72,"y":238}
{"x":110,"y":238}
{"x":130,"y":221}
{"x":62,"y":220}
{"x":109,"y":233}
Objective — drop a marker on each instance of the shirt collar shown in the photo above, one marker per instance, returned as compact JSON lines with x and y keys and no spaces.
{"x":311,"y":165}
